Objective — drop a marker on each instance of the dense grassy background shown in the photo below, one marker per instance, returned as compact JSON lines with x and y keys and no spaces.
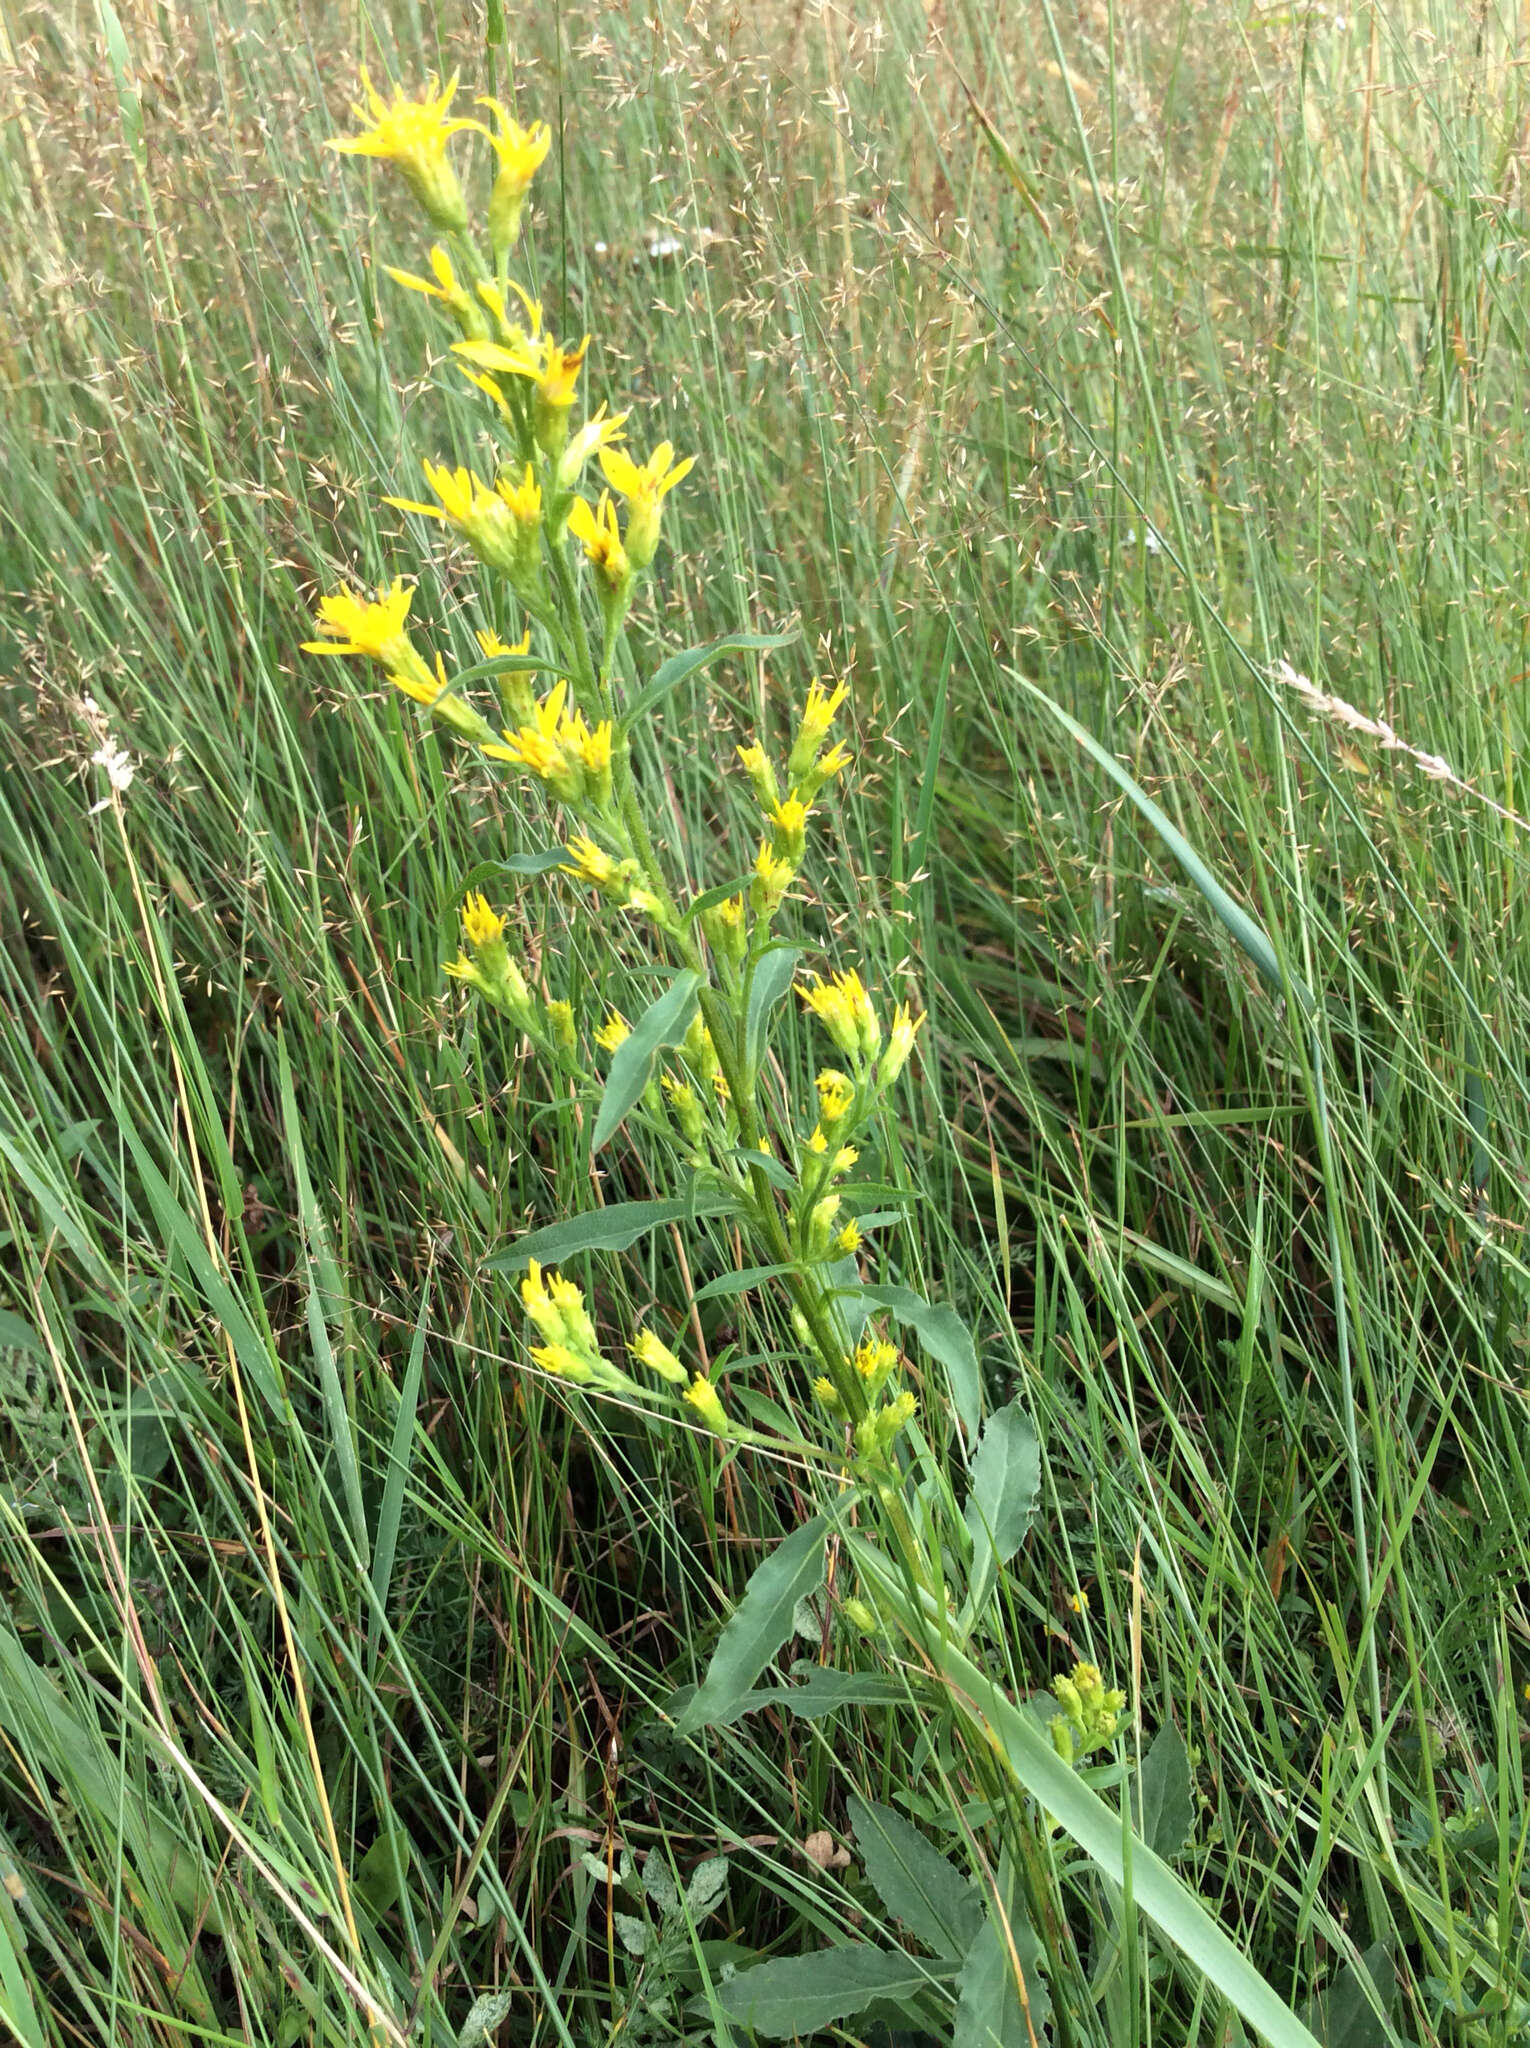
{"x":1221,"y":359}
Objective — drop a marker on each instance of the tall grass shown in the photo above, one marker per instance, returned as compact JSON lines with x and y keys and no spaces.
{"x":1124,"y":352}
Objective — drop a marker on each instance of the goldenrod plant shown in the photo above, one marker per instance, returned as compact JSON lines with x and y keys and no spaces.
{"x":565,"y":522}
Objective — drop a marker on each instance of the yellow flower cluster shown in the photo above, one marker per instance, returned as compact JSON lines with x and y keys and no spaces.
{"x":786,"y":817}
{"x":1091,"y":1713}
{"x":533,"y":502}
{"x":569,"y":1347}
{"x":843,"y":1007}
{"x":571,"y":757}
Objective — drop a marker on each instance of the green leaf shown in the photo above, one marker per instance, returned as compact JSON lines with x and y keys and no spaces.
{"x":486,"y":2015}
{"x":507,"y":665}
{"x":741,"y":1282}
{"x":1006,"y":1473}
{"x":819,"y":1692}
{"x":988,"y":2009}
{"x":914,"y":1881}
{"x":679,"y":666}
{"x":707,"y":1889}
{"x":1082,"y":1814}
{"x":1164,"y":1793}
{"x":17,"y":1335}
{"x":534,"y":863}
{"x":800,"y":1994}
{"x":758,"y":1627}
{"x":612,"y":1229}
{"x":659,"y":1886}
{"x":1353,"y":2013}
{"x":944,"y":1335}
{"x":721,"y":894}
{"x":1237,"y":921}
{"x":770,"y":981}
{"x":664,"y":1022}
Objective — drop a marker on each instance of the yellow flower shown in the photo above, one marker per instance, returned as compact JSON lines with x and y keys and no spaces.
{"x":833,"y":763}
{"x":849,"y":1239}
{"x":446,"y":288}
{"x":602,"y":541}
{"x":702,"y":1396}
{"x":560,"y":1018}
{"x":499,"y":525}
{"x":613,"y":1033}
{"x":511,"y":331}
{"x":1079,"y":1601}
{"x":413,"y":134}
{"x":644,"y":485}
{"x":789,"y":819}
{"x":427,"y":691}
{"x":524,"y":498}
{"x":844,"y":1009}
{"x":554,"y":371}
{"x":761,"y":774}
{"x":559,"y":748}
{"x":900,"y":1043}
{"x":874,"y":1360}
{"x":539,"y":1304}
{"x":592,"y":864}
{"x":806,"y":771}
{"x":682,"y":1100}
{"x":818,"y":713}
{"x":520,"y":152}
{"x":494,"y":648}
{"x":649,"y":1350}
{"x":844,"y":1159}
{"x":824,"y":1388}
{"x":374,"y":627}
{"x":723,"y":924}
{"x":480,"y":923}
{"x":597,"y":432}
{"x":818,"y":1143}
{"x":562,"y":1362}
{"x":836,"y":1092}
{"x":772,"y":878}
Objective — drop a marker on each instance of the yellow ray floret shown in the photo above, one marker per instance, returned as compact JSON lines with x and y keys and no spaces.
{"x":442,"y":284}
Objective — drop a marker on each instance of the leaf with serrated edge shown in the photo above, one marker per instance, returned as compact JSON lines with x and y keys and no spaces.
{"x":800,"y":1994}
{"x":1006,"y":1473}
{"x":914,"y":1881}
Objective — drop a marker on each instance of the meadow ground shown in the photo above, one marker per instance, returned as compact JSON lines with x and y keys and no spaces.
{"x":1129,"y":351}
